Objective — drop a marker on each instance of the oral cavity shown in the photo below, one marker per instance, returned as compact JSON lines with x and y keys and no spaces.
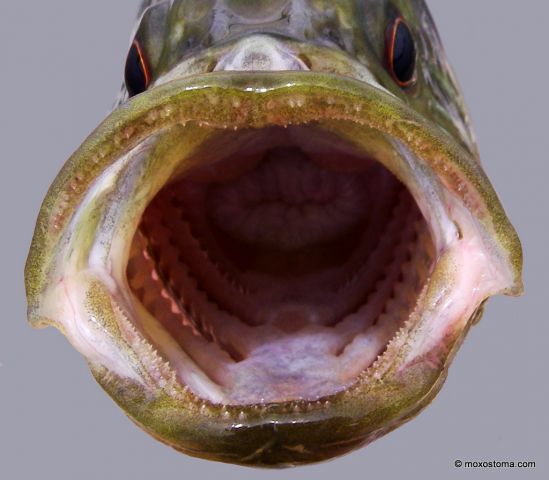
{"x":284,"y":280}
{"x":289,"y":203}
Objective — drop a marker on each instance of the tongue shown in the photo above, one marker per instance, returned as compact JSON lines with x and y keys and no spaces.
{"x":289,"y":203}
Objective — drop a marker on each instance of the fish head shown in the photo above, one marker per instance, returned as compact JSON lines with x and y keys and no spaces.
{"x":349,"y":38}
{"x":271,"y":250}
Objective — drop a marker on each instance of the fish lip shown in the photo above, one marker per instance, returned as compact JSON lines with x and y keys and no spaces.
{"x":132,"y":123}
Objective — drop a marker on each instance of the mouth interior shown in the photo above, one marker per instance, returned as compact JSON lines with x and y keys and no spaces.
{"x":282,"y":267}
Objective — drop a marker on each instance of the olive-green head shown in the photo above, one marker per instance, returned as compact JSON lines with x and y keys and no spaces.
{"x":271,"y":250}
{"x":350,"y":37}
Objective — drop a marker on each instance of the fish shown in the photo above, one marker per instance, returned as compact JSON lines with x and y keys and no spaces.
{"x":271,"y":250}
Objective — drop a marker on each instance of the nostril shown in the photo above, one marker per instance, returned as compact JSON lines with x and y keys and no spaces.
{"x":212,"y":66}
{"x":306,"y":61}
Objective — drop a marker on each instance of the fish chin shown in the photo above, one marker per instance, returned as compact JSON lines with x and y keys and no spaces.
{"x":269,"y":270}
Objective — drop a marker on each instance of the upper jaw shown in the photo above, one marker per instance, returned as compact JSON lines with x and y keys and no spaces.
{"x":202,"y":104}
{"x":81,"y":244}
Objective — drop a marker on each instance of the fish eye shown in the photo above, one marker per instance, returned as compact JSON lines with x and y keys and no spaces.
{"x":401,"y":53}
{"x":137,"y":73}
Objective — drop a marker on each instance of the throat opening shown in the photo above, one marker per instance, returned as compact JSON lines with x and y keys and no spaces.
{"x":283,"y":268}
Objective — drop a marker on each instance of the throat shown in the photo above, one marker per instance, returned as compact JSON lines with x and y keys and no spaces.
{"x":283,"y":279}
{"x":289,"y":203}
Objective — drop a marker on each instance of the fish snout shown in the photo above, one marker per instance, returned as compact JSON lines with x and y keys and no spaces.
{"x":260,"y":53}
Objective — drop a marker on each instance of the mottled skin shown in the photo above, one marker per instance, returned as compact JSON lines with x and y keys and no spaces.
{"x":336,"y":41}
{"x":331,"y":34}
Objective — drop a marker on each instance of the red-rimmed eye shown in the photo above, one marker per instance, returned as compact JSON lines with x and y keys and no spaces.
{"x":401,"y":53}
{"x":137,"y":72}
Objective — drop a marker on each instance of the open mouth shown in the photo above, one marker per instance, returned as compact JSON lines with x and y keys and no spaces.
{"x":282,"y":269}
{"x":269,"y":268}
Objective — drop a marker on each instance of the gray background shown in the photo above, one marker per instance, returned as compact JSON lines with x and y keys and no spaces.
{"x":60,"y":66}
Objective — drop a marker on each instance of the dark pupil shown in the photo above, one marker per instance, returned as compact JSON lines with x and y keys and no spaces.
{"x":404,"y":54}
{"x":136,"y":80}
